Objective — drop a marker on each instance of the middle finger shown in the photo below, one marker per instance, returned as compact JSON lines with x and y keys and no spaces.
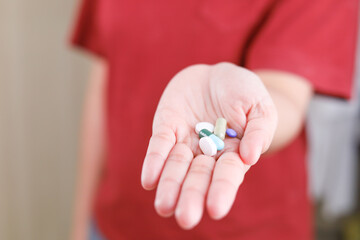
{"x":191,"y":202}
{"x":171,"y":179}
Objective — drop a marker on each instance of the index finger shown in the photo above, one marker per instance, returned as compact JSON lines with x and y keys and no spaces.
{"x":160,"y":145}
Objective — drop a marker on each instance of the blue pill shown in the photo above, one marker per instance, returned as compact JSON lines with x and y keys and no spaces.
{"x":218,"y":142}
{"x":231,"y":132}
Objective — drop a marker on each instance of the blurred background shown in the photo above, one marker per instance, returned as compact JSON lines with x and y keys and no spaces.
{"x":42,"y":84}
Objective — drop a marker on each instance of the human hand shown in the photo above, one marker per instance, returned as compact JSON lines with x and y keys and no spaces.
{"x":186,"y":179}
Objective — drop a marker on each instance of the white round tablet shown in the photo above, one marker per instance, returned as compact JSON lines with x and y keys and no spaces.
{"x":207,"y":146}
{"x":204,"y":125}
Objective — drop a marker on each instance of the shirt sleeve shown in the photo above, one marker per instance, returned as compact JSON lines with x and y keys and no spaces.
{"x":315,"y":39}
{"x":86,"y":32}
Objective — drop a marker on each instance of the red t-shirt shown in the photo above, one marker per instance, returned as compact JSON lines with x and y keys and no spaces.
{"x":147,"y":42}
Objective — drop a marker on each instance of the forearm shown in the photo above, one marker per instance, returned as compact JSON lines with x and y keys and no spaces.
{"x":291,"y":95}
{"x":92,"y":151}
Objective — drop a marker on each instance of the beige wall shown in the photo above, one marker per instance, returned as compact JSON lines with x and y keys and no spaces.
{"x":41,"y":89}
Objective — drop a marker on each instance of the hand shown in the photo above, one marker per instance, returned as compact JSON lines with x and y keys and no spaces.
{"x":185,"y":178}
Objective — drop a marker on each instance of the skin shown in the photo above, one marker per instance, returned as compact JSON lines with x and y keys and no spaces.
{"x":266,"y":107}
{"x":188,"y":181}
{"x":92,"y":150}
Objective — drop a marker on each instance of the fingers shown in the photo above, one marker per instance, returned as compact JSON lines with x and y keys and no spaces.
{"x":158,"y":150}
{"x":190,"y":206}
{"x":228,"y":175}
{"x":259,"y":132}
{"x":171,"y":179}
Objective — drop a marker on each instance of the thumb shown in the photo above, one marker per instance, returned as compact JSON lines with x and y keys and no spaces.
{"x":259,"y":132}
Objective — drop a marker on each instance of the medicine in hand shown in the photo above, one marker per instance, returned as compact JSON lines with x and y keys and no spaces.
{"x":218,"y":142}
{"x":211,"y":137}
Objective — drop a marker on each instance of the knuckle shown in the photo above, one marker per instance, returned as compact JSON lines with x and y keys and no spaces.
{"x":154,"y":156}
{"x":264,"y":108}
{"x":194,"y":190}
{"x":162,"y":137}
{"x":200,"y":169}
{"x":170,"y":180}
{"x":232,"y":163}
{"x":226,"y":182}
{"x":178,"y":157}
{"x":184,"y":149}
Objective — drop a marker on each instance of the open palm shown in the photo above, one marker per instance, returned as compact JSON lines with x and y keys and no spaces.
{"x":186,"y":179}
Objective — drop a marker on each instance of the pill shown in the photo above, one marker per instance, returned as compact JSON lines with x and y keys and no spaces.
{"x":231,"y":132}
{"x":204,"y":125}
{"x":218,"y":142}
{"x":220,"y":128}
{"x":207,"y":146}
{"x":204,"y":133}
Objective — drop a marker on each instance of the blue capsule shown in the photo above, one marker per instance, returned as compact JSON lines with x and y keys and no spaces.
{"x":218,"y":142}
